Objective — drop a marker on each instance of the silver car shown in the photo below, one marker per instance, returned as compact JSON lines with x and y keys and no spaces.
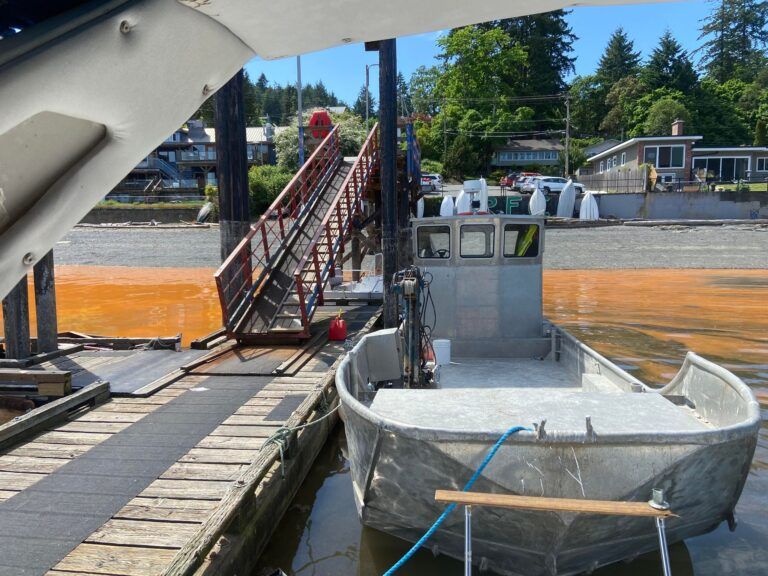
{"x":550,"y":184}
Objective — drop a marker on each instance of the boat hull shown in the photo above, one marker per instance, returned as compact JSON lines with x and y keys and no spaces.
{"x":395,"y":478}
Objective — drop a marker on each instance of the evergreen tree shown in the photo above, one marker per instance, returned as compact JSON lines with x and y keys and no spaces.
{"x":548,"y":39}
{"x":735,"y":36}
{"x":669,"y":67}
{"x":404,"y":105}
{"x":423,"y":90}
{"x":761,"y":133}
{"x":619,"y":60}
{"x":359,"y":106}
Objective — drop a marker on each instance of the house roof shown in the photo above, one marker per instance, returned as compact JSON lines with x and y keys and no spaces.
{"x":515,"y":145}
{"x":710,"y":150}
{"x":601,"y":146}
{"x":632,"y":141}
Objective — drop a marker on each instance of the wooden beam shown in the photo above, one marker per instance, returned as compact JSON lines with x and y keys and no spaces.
{"x":16,"y":321}
{"x":45,"y":304}
{"x":608,"y":507}
{"x":46,"y":376}
{"x":31,"y":421}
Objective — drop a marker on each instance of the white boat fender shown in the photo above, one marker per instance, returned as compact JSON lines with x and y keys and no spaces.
{"x":537,"y":206}
{"x":442,"y":348}
{"x":463,"y":203}
{"x":420,"y":208}
{"x":567,"y":200}
{"x":589,"y":209}
{"x":446,"y":207}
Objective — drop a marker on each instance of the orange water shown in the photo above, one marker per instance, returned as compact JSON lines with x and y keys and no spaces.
{"x":645,"y":319}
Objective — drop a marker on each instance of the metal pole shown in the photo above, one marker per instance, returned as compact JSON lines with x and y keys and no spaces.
{"x":467,"y":540}
{"x":567,"y":135}
{"x":300,"y":111}
{"x":663,"y":546}
{"x":367,"y":104}
{"x":388,"y":144}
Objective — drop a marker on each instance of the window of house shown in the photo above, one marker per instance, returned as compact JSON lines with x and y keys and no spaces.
{"x":477,"y":240}
{"x":623,"y":158}
{"x":609,"y":164}
{"x":665,"y":156}
{"x":762,"y":164}
{"x":602,"y":167}
{"x":521,"y":240}
{"x":433,"y":241}
{"x":615,"y":161}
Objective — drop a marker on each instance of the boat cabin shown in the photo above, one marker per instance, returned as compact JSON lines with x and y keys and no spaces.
{"x":486,"y":282}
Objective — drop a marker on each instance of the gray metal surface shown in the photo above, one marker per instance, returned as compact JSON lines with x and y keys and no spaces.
{"x":42,"y":524}
{"x":504,"y":372}
{"x":694,"y":439}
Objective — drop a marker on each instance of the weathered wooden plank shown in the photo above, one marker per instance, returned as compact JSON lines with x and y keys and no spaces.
{"x":229,"y":442}
{"x":137,"y":408}
{"x":154,"y":399}
{"x":295,"y":380}
{"x":278,"y":386}
{"x":18,"y":480}
{"x":258,"y":401}
{"x":155,"y":534}
{"x":220,"y":456}
{"x":168,"y":509}
{"x":196,"y":471}
{"x":249,"y":419}
{"x":46,"y":450}
{"x":110,"y":416}
{"x":98,"y":427}
{"x":37,"y":376}
{"x":5,"y":494}
{"x":263,"y":431}
{"x":72,"y":438}
{"x":512,"y":501}
{"x":254,"y":410}
{"x":117,"y":560}
{"x":167,"y":393}
{"x":10,"y":463}
{"x":189,"y":489}
{"x":37,"y":417}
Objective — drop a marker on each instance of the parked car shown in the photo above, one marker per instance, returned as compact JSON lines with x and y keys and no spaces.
{"x":428,"y":185}
{"x":555,"y":184}
{"x":436,"y":179}
{"x":508,"y":181}
{"x":522,"y":178}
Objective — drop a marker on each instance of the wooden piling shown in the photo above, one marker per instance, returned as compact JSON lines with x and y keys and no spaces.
{"x":388,"y":144}
{"x":231,"y":164}
{"x":16,"y":321}
{"x":45,"y":304}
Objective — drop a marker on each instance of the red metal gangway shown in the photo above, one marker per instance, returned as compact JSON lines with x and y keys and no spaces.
{"x":258,"y":265}
{"x":250,"y":265}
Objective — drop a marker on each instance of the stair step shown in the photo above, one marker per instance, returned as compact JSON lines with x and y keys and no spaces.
{"x":288,"y":316}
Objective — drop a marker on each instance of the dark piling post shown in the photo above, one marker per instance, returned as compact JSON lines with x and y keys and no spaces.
{"x":16,"y":321}
{"x":388,"y":144}
{"x":231,"y":164}
{"x":45,"y":304}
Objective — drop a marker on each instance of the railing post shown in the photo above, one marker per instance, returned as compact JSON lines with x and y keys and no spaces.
{"x":265,"y":242}
{"x":331,"y":256}
{"x":299,"y":281}
{"x":280,"y":220}
{"x":318,"y":277}
{"x":467,"y":540}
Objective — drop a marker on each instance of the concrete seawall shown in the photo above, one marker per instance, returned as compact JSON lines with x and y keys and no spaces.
{"x":163,"y":215}
{"x":685,"y":205}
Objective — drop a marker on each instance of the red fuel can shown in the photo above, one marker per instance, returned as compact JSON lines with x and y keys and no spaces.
{"x":338,"y":330}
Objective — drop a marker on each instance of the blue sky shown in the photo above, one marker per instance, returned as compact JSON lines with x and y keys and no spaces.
{"x":343,"y":69}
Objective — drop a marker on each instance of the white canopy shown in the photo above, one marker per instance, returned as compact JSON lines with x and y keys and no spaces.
{"x":86,"y":99}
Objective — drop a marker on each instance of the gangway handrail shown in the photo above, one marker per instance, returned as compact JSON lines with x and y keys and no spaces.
{"x":235,"y":279}
{"x":351,"y":190}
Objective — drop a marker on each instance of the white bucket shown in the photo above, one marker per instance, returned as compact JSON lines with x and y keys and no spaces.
{"x":442,"y":350}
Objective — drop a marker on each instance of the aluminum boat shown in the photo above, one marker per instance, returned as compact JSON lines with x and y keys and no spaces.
{"x":596,"y":432}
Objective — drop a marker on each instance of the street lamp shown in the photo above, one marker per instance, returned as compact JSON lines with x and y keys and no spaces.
{"x":367,"y":92}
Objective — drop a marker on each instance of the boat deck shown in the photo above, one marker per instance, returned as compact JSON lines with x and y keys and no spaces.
{"x":505,"y":372}
{"x":134,"y":486}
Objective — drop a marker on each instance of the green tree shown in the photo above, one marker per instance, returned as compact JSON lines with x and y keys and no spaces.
{"x":761,"y":133}
{"x":669,"y":67}
{"x":735,"y":36}
{"x":716,"y":117}
{"x":265,"y":183}
{"x":662,"y":114}
{"x":619,"y":59}
{"x":621,"y":102}
{"x":404,"y":104}
{"x":587,"y":104}
{"x":423,"y":90}
{"x":359,"y":106}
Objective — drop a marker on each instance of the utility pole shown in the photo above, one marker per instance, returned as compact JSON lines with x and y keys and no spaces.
{"x":367,"y":93}
{"x":567,"y":135}
{"x":231,"y":164}
{"x":445,"y":134}
{"x":300,"y":111}
{"x":388,"y":144}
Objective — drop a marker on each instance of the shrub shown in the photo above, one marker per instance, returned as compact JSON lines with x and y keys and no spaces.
{"x":265,"y":184}
{"x":431,"y":166}
{"x":212,"y":195}
{"x":432,"y":206}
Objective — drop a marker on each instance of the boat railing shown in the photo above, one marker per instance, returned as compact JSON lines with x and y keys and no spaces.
{"x":656,"y":508}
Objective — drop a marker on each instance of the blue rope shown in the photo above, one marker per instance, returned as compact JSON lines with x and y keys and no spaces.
{"x":432,"y":529}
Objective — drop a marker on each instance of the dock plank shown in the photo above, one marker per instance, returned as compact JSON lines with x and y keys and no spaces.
{"x":186,"y":489}
{"x":5,"y":494}
{"x":220,"y":456}
{"x":200,"y":471}
{"x":18,"y":480}
{"x":98,"y":427}
{"x":167,"y":509}
{"x":153,"y":534}
{"x":11,"y":463}
{"x":72,"y":438}
{"x":45,"y":450}
{"x":236,"y":443}
{"x":263,"y":431}
{"x":125,"y":407}
{"x":110,"y":416}
{"x":116,"y":560}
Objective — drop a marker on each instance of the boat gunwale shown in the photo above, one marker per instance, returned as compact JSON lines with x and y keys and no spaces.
{"x":716,"y":435}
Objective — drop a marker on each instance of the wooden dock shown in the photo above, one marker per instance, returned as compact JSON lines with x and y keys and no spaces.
{"x":177,"y":482}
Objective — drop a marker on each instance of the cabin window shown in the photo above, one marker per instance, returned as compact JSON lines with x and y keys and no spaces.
{"x":434,"y":241}
{"x":521,"y":240}
{"x":477,"y":240}
{"x":762,"y":164}
{"x":665,"y":156}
